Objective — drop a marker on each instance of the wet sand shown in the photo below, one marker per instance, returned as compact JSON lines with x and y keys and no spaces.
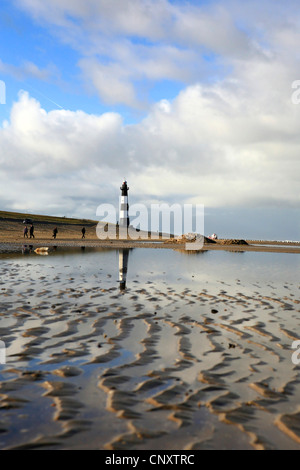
{"x":17,"y":246}
{"x":159,"y":366}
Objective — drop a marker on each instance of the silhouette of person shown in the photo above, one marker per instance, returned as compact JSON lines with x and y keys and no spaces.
{"x":55,"y":232}
{"x":31,"y":230}
{"x":83,"y":232}
{"x":25,"y":231}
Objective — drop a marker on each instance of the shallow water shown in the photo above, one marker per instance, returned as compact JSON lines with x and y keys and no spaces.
{"x":194,"y":353}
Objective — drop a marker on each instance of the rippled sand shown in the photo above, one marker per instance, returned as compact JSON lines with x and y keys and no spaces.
{"x":154,"y":367}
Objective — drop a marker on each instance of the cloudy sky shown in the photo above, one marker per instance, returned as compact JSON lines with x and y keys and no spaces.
{"x":192,"y":101}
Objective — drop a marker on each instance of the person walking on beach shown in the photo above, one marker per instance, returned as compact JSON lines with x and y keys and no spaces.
{"x":54,"y":232}
{"x":31,"y":230}
{"x":83,"y":232}
{"x":25,"y":231}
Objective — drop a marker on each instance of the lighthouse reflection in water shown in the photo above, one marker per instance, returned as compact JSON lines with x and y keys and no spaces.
{"x":123,"y":266}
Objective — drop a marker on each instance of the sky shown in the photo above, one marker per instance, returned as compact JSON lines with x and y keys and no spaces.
{"x":193,"y":102}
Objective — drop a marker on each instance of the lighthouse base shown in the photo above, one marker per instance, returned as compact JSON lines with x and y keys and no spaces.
{"x":122,"y":232}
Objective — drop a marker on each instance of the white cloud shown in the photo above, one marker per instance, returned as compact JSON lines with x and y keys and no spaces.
{"x":55,"y":143}
{"x":126,"y":41}
{"x":111,"y":82}
{"x":212,"y":145}
{"x":229,"y":138}
{"x":27,"y":69}
{"x":143,"y":18}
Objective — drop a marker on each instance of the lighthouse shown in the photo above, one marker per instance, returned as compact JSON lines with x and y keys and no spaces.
{"x":124,"y":207}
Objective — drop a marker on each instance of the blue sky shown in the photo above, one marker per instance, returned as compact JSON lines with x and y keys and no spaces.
{"x":191,"y":101}
{"x":25,"y":41}
{"x":28,"y":39}
{"x":57,"y":81}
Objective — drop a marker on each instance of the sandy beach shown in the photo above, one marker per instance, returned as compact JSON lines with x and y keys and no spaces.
{"x":195,"y":353}
{"x":69,"y":235}
{"x":149,"y":228}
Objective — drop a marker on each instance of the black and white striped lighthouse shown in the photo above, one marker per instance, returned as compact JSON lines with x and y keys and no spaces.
{"x":124,"y":207}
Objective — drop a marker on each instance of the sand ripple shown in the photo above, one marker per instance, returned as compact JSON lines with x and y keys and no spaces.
{"x":156,"y":367}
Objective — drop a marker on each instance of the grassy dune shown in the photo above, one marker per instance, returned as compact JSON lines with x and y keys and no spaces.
{"x":44,"y":219}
